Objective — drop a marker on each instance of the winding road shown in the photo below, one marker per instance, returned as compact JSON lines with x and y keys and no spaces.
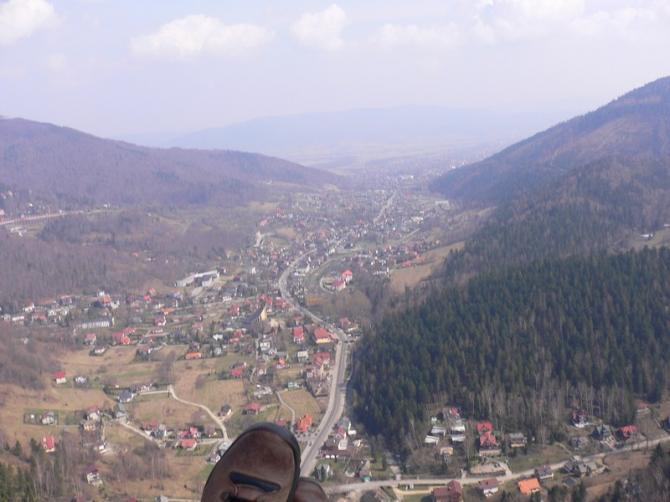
{"x":217,"y":420}
{"x":285,"y":404}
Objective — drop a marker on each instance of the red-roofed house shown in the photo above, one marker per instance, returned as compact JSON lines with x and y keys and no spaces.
{"x":90,"y":338}
{"x":190,"y":356}
{"x":120,"y":338}
{"x":237,"y":371}
{"x":321,"y":358}
{"x":484,"y":426}
{"x":529,"y":486}
{"x":339,"y":284}
{"x":347,"y":276}
{"x":49,"y":444}
{"x":188,"y":444}
{"x":303,"y":424}
{"x":59,"y":377}
{"x":299,"y":335}
{"x":453,"y":492}
{"x":252,"y":409}
{"x":487,"y":440}
{"x":627,"y":431}
{"x":322,"y":336}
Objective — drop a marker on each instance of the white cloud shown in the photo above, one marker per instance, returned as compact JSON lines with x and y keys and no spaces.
{"x":57,"y":62}
{"x":321,"y":29}
{"x":198,"y":34}
{"x":21,"y":18}
{"x":429,"y":37}
{"x":627,"y":21}
{"x":501,"y":20}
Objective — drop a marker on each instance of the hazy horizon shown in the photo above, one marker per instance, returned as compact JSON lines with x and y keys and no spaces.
{"x":176,"y":67}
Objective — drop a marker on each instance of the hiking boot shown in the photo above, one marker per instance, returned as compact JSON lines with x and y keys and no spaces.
{"x":309,"y":490}
{"x":262,"y":464}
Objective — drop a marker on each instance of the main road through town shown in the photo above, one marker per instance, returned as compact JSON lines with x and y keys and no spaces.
{"x":337,"y":395}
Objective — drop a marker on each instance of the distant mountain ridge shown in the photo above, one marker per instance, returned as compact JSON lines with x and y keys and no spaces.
{"x":637,"y":123}
{"x":347,"y":129}
{"x":62,"y":162}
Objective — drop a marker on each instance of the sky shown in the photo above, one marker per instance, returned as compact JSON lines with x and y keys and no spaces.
{"x":120,"y":67}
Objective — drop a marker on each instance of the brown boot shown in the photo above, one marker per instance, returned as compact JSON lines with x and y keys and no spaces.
{"x":262,"y":464}
{"x":309,"y":491}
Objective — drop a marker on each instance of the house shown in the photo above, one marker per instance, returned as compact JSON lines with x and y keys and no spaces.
{"x":602,"y":432}
{"x":190,"y":356}
{"x":189,"y":444}
{"x":321,"y":358}
{"x":97,"y":323}
{"x":49,"y":418}
{"x":516,"y":440}
{"x":431,"y":439}
{"x":237,"y":371}
{"x":488,"y":441}
{"x":89,"y":425}
{"x":93,"y":476}
{"x":302,"y":356}
{"x":303,"y":424}
{"x":120,"y":338}
{"x":252,"y":409}
{"x":457,"y":426}
{"x":438,"y":430}
{"x":544,"y":472}
{"x":579,"y":419}
{"x":452,"y":492}
{"x":626,"y":432}
{"x":322,"y":336}
{"x":347,"y":276}
{"x":457,"y":438}
{"x":484,"y":426}
{"x":339,"y":284}
{"x":59,"y":377}
{"x":488,"y":487}
{"x":225,"y":411}
{"x":126,"y":396}
{"x":344,"y":425}
{"x":528,"y":486}
{"x":579,"y":442}
{"x":299,"y":335}
{"x":80,"y":380}
{"x":576,"y":467}
{"x":49,"y":444}
{"x":90,"y":338}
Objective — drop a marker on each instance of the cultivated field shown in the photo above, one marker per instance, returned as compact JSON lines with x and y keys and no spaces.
{"x":15,"y":401}
{"x":411,"y":277}
{"x":303,"y":403}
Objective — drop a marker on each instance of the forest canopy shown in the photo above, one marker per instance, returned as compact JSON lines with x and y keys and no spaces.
{"x":522,"y":345}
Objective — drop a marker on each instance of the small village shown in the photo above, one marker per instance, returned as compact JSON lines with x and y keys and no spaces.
{"x":188,"y":365}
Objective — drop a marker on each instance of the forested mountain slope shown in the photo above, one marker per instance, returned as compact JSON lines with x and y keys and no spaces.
{"x":599,"y":207}
{"x":637,"y":123}
{"x":74,"y":166}
{"x":520,"y":345}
